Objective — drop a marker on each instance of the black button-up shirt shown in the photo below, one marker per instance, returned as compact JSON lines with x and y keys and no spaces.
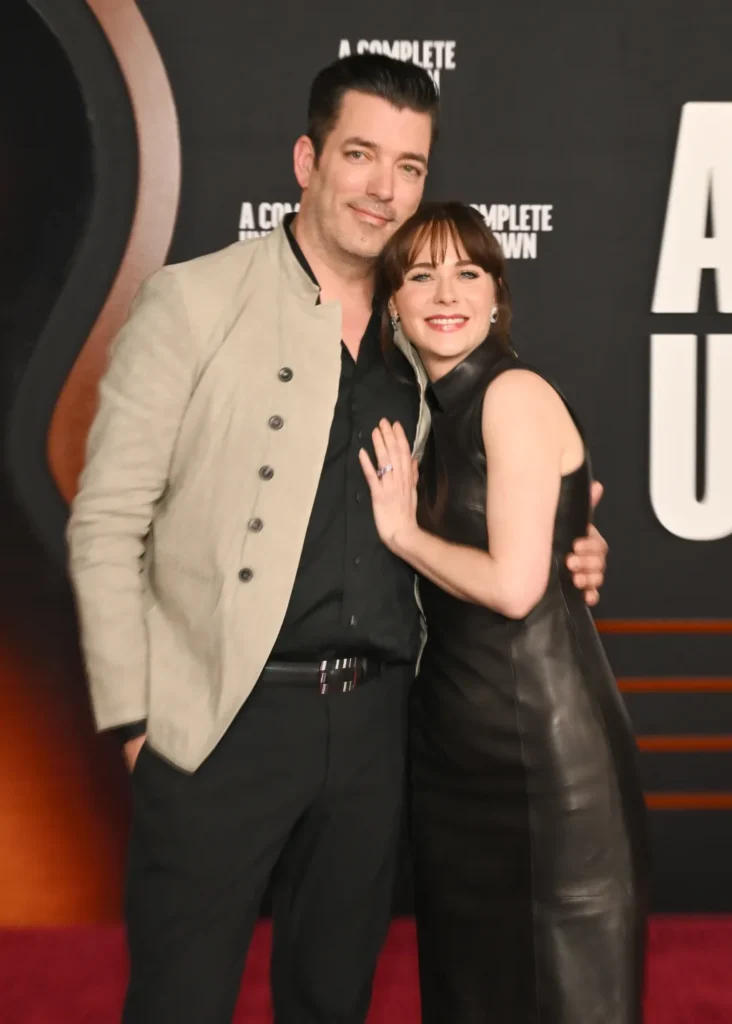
{"x":351,"y":595}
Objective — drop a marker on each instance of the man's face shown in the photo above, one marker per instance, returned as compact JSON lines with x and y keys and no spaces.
{"x":370,"y":175}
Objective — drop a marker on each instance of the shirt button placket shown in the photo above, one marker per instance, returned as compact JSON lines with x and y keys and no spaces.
{"x":355,"y":515}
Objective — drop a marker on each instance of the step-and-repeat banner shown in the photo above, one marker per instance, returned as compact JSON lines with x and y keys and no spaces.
{"x":597,"y":143}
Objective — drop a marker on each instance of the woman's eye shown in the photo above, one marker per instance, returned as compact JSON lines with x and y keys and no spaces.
{"x":470,"y":274}
{"x":420,"y":277}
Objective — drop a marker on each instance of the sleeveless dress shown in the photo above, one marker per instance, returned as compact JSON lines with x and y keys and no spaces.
{"x":527,"y":817}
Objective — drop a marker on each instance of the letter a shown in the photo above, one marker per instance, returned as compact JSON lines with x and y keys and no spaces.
{"x":701,"y":181}
{"x":246,"y":217}
{"x":344,"y":50}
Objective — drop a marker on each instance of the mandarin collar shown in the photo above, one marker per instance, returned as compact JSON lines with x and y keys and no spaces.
{"x":287,"y":221}
{"x":451,"y":391}
{"x":296,"y":250}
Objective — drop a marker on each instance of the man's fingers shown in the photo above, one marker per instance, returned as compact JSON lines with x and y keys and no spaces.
{"x":596,"y":493}
{"x":132,"y":750}
{"x":586,"y":563}
{"x":588,"y":580}
{"x":592,"y":544}
{"x":592,"y":597}
{"x":595,"y":537}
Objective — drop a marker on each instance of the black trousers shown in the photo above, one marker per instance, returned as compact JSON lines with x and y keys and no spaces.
{"x":304,"y":789}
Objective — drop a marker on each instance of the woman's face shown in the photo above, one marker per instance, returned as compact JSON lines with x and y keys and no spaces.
{"x":446,"y":309}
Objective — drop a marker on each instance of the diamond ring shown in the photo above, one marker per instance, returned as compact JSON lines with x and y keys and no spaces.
{"x":384,"y":470}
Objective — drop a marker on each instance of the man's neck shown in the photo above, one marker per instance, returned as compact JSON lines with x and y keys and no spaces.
{"x":344,"y":278}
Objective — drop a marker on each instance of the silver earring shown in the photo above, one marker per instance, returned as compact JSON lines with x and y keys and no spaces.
{"x":394,"y":322}
{"x":494,"y":314}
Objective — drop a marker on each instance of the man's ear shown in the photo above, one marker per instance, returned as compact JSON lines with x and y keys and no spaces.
{"x":304,"y":160}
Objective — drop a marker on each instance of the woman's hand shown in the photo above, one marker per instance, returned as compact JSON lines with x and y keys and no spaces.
{"x":394,"y":487}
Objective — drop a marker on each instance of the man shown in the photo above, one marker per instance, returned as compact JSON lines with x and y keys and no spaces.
{"x":235,"y":601}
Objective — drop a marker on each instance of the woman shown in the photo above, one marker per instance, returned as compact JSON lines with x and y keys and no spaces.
{"x":527,"y":816}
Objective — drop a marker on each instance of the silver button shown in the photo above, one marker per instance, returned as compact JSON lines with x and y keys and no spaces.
{"x":245,"y":575}
{"x":255,"y":525}
{"x":276,"y":422}
{"x":266,"y":472}
{"x":285,"y":374}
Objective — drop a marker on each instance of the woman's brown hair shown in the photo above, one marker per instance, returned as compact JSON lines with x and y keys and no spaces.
{"x":438,"y":224}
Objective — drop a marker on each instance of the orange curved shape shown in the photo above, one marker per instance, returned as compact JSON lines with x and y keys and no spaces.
{"x":63,"y":793}
{"x":158,"y":137}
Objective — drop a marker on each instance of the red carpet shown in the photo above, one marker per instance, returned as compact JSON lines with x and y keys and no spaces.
{"x":76,"y":976}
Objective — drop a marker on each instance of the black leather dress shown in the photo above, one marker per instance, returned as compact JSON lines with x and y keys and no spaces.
{"x":527,"y":816}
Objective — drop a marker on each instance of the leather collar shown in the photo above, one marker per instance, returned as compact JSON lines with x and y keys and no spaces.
{"x":451,"y":392}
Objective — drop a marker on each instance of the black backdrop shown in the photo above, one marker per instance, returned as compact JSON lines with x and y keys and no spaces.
{"x":561,"y":122}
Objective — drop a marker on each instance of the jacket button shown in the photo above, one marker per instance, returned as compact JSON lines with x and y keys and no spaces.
{"x":245,"y":575}
{"x":266,"y":472}
{"x":276,"y":422}
{"x":255,"y":525}
{"x":285,"y":374}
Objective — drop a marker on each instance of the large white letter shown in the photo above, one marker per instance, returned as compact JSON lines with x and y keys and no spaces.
{"x":702,"y":175}
{"x":673,"y":436}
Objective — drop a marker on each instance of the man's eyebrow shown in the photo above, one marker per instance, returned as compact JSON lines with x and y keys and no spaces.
{"x":356,"y":140}
{"x":418,"y":158}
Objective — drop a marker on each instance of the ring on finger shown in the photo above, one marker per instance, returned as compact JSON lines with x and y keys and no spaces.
{"x":384,"y":470}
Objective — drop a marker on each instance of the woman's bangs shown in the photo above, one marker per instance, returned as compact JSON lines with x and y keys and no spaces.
{"x":439,"y":234}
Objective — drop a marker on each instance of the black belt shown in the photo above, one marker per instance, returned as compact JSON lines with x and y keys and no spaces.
{"x":332,"y":675}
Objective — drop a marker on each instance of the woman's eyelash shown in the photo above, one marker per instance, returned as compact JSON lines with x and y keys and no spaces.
{"x":472,"y":274}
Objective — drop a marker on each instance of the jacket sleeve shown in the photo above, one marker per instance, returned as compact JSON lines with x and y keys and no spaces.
{"x":143,"y":396}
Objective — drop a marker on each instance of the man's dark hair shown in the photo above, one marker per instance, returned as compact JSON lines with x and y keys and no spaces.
{"x":401,"y":84}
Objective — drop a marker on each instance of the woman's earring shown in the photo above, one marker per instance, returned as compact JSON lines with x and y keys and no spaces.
{"x":494,"y":314}
{"x":394,"y":321}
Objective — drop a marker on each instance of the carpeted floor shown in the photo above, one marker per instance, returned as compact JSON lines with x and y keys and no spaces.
{"x":77,"y":976}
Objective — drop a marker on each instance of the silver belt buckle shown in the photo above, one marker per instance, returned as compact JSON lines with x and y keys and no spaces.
{"x":350,"y":684}
{"x":341,"y":663}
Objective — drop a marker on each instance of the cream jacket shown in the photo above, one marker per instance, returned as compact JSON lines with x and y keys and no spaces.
{"x":181,"y":592}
